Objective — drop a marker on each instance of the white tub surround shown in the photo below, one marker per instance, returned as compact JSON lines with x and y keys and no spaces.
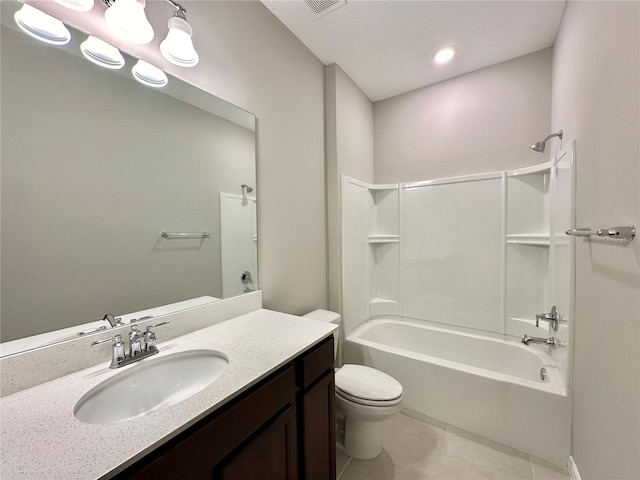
{"x":485,"y":252}
{"x":488,"y":386}
{"x":35,"y":420}
{"x":478,"y":257}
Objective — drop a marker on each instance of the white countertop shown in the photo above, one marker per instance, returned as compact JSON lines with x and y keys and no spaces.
{"x":41,"y":438}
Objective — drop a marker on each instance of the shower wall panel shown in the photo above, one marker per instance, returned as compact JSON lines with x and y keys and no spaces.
{"x":355,"y":253}
{"x":451,"y":263}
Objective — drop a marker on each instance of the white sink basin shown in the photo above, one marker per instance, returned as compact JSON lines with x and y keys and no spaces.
{"x":150,"y":385}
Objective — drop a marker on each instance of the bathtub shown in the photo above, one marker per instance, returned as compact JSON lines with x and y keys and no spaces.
{"x":489,"y":386}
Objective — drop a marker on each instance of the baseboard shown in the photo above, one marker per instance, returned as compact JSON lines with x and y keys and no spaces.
{"x":573,"y":469}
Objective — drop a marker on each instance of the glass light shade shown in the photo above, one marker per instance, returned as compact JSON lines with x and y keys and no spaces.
{"x":445,"y":54}
{"x":178,"y":47}
{"x":149,"y":75}
{"x":101,"y":53}
{"x":128,"y":20}
{"x":78,"y":5}
{"x":39,"y":25}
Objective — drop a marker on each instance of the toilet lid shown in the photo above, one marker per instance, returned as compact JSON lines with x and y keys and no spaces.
{"x":367,"y":383}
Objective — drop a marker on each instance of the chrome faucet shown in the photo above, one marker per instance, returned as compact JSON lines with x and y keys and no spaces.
{"x":136,"y":337}
{"x":552,"y":317}
{"x":113,"y":321}
{"x":551,"y":341}
{"x":141,"y":345}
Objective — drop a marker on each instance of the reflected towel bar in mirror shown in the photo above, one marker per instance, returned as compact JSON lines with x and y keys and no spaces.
{"x":185,"y":235}
{"x":625,"y":233}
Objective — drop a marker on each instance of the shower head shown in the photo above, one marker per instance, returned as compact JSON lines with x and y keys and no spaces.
{"x":246,"y":189}
{"x":540,"y":146}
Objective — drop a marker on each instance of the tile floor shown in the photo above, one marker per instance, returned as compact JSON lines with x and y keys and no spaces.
{"x":421,"y":449}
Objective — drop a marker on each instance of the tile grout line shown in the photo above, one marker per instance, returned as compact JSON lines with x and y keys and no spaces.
{"x":344,"y":469}
{"x":533,"y":473}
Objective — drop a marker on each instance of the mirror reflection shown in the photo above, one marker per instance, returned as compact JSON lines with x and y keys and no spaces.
{"x":95,"y":167}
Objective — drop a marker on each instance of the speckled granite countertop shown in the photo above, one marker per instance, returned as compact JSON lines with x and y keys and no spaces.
{"x":41,"y":438}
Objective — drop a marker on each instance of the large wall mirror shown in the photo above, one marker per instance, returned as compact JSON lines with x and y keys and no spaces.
{"x":95,"y":167}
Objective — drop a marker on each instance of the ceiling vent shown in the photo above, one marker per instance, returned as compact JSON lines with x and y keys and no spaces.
{"x":322,"y":7}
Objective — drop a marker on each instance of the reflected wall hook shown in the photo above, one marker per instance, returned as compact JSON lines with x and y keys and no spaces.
{"x":624,"y":233}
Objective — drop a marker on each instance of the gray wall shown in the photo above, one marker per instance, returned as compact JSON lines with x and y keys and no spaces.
{"x":596,"y":99}
{"x":349,"y":151}
{"x":94,"y":167}
{"x":479,"y":122}
{"x":250,"y":59}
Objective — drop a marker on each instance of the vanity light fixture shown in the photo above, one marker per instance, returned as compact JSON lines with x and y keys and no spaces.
{"x":41,"y":26}
{"x":128,"y":20}
{"x":149,"y":75}
{"x":178,"y":46}
{"x":101,"y":53}
{"x":77,"y":5}
{"x":445,"y":54}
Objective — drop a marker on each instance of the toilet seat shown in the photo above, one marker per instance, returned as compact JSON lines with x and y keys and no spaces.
{"x":367,"y":386}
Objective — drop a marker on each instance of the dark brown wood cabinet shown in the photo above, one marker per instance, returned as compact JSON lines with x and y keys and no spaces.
{"x":270,"y":454}
{"x":283,"y":428}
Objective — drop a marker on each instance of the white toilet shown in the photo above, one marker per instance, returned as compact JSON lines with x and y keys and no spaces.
{"x":365,"y":396}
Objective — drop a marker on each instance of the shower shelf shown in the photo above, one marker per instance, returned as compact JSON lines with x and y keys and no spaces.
{"x":529,"y":239}
{"x":383,"y":306}
{"x":379,"y":238}
{"x":380,"y":188}
{"x":537,"y":239}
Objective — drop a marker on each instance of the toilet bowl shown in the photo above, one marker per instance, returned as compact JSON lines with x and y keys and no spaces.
{"x":364,"y":396}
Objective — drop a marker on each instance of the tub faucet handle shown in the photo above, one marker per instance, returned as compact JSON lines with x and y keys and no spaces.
{"x":552,"y":317}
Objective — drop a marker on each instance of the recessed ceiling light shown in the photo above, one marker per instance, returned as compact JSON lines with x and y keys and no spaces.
{"x":445,"y":54}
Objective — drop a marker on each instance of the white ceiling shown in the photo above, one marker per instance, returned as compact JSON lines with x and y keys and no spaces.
{"x":386,"y":46}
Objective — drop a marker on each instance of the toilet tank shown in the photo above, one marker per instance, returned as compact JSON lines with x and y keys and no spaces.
{"x":329,"y":317}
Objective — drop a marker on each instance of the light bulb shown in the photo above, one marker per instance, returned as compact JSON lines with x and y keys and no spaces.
{"x":128,"y":20}
{"x":101,"y":53}
{"x":178,"y":46}
{"x":445,"y":54}
{"x":78,"y":5}
{"x":149,"y":75}
{"x":41,"y":26}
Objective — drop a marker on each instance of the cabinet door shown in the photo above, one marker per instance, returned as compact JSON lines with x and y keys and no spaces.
{"x":318,"y":431}
{"x":195,"y":453}
{"x":270,"y":455}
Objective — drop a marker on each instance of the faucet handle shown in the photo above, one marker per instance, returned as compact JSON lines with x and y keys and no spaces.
{"x":113,"y":321}
{"x":114,"y":340}
{"x":118,"y":354}
{"x":150,"y":335}
{"x":149,"y":327}
{"x":552,"y":317}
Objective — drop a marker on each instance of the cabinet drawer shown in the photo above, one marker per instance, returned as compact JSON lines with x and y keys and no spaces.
{"x":315,"y":363}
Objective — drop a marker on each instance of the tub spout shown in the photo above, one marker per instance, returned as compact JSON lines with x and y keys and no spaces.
{"x":551,"y":341}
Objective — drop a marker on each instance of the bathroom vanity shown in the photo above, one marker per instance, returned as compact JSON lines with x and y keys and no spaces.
{"x":269,"y":415}
{"x":279,"y":428}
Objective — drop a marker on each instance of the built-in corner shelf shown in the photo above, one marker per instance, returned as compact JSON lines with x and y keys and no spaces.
{"x":383,"y":306}
{"x":379,"y":238}
{"x":540,"y":239}
{"x":381,"y":188}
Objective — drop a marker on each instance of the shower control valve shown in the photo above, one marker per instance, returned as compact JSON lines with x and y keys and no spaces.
{"x":552,"y":317}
